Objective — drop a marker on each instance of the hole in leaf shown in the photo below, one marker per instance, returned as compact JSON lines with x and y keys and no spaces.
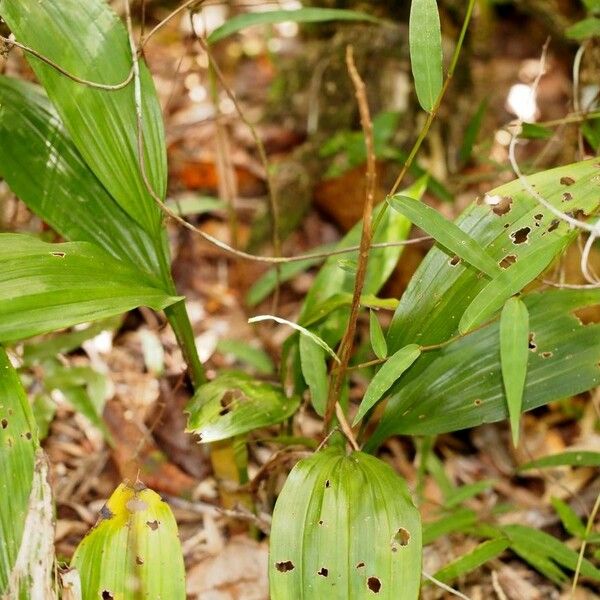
{"x":567,"y":181}
{"x":555,"y":223}
{"x":28,"y":435}
{"x":284,"y":566}
{"x":374,"y":584}
{"x":546,"y":354}
{"x":520,"y":236}
{"x":4,"y":423}
{"x":401,"y":538}
{"x":455,"y":260}
{"x":567,"y":196}
{"x":321,"y":522}
{"x":323,"y":571}
{"x":360,"y":565}
{"x":532,"y":344}
{"x":477,"y":402}
{"x":509,"y":259}
{"x":106,"y":513}
{"x":106,"y":595}
{"x":327,"y":483}
{"x":139,"y":560}
{"x":58,"y":254}
{"x":501,"y":205}
{"x":152,"y":524}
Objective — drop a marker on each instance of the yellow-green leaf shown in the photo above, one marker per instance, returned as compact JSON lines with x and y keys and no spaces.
{"x":133,"y":551}
{"x":378,"y":342}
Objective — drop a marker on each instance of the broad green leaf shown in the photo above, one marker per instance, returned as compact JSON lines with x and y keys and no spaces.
{"x":389,"y":373}
{"x":133,"y":551}
{"x":378,"y":342}
{"x":475,"y":558}
{"x":446,"y":233}
{"x":314,"y":371}
{"x":344,"y":527}
{"x":63,"y":191}
{"x":583,"y":458}
{"x":425,"y":39}
{"x":235,"y":403}
{"x":245,"y":353}
{"x":49,"y":286}
{"x":583,"y":30}
{"x":571,"y":522}
{"x":491,"y":298}
{"x":300,"y":15}
{"x":514,"y":354}
{"x":88,"y":40}
{"x":461,"y":386}
{"x":18,"y":444}
{"x":529,"y":542}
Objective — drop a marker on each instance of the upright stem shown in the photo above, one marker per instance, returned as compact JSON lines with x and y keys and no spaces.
{"x":347,"y":343}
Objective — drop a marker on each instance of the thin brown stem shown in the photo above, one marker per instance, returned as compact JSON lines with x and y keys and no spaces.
{"x":347,"y":343}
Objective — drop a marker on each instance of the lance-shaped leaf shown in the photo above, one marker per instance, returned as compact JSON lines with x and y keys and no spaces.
{"x":462,"y":385}
{"x":314,"y":371}
{"x":446,"y":233}
{"x":389,"y":373}
{"x":133,"y":551}
{"x":344,"y":527}
{"x":235,"y":403}
{"x":300,"y":15}
{"x":44,"y":286}
{"x":583,"y":458}
{"x":425,"y":39}
{"x":514,"y":354}
{"x":378,"y":342}
{"x":64,"y":192}
{"x":88,"y":40}
{"x":17,"y":456}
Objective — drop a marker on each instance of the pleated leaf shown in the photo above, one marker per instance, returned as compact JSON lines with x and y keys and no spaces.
{"x":235,"y":403}
{"x":88,"y":40}
{"x":461,"y":386}
{"x":425,"y":40}
{"x":514,"y":354}
{"x":344,"y":527}
{"x":43,"y":167}
{"x":44,"y":286}
{"x":133,"y":551}
{"x":17,"y":458}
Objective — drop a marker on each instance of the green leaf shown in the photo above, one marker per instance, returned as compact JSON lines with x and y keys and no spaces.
{"x":475,"y":558}
{"x":133,"y":551}
{"x":64,"y":192}
{"x":300,"y":15}
{"x":571,"y":522}
{"x":344,"y":527}
{"x":458,"y":520}
{"x":314,"y":371}
{"x":244,"y":352}
{"x":592,"y":5}
{"x":533,"y":131}
{"x":425,"y":38}
{"x":472,"y":131}
{"x":461,"y":385}
{"x":584,"y":30}
{"x":195,"y":205}
{"x":378,"y":342}
{"x":583,"y":458}
{"x":49,"y":286}
{"x":514,"y":354}
{"x":465,"y":492}
{"x":389,"y":373}
{"x":88,"y":40}
{"x":510,"y":281}
{"x":18,"y":444}
{"x":527,"y":542}
{"x":446,"y":233}
{"x":235,"y":403}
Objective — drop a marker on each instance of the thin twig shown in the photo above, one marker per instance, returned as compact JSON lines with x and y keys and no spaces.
{"x":347,"y":343}
{"x":588,"y":529}
{"x":444,"y":587}
{"x":174,"y":13}
{"x":93,"y":84}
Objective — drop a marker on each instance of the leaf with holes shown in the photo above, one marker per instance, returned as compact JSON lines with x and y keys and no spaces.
{"x":461,"y":386}
{"x":300,"y":15}
{"x":88,"y":40}
{"x":235,"y":403}
{"x":344,"y":527}
{"x":133,"y":551}
{"x":514,"y":350}
{"x":49,"y":286}
{"x":425,"y":39}
{"x":65,"y":193}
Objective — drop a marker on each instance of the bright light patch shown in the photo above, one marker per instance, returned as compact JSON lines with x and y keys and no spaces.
{"x":521,"y":102}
